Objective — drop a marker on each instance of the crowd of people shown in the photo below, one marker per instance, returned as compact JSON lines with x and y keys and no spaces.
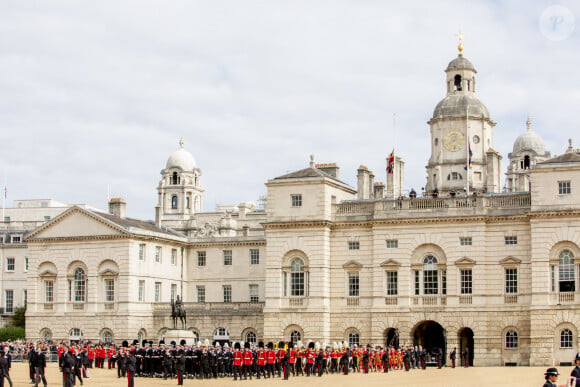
{"x":239,"y":361}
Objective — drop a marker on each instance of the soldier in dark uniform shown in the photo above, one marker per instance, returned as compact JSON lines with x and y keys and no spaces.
{"x":167,"y":363}
{"x":576,"y":370}
{"x":39,"y":366}
{"x":131,"y":369}
{"x":121,"y":363}
{"x":68,"y":365}
{"x":551,"y":377}
{"x":466,"y":357}
{"x":452,"y":356}
{"x":85,"y":362}
{"x":78,"y":367}
{"x":3,"y":367}
{"x":180,"y":367}
{"x":385,"y":360}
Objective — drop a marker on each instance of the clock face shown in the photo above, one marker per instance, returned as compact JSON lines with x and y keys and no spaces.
{"x":454,"y":140}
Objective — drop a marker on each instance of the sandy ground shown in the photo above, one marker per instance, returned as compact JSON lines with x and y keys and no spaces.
{"x":461,"y":377}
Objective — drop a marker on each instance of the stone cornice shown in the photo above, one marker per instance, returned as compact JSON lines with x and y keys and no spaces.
{"x":217,"y":243}
{"x":553,"y":214}
{"x":298,"y":224}
{"x":105,"y":237}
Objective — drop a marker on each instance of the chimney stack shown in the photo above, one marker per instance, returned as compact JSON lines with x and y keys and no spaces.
{"x":117,"y":207}
{"x":379,"y":190}
{"x":330,"y":168}
{"x":363,"y":179}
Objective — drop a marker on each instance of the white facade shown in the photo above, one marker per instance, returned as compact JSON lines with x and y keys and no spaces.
{"x":494,"y":272}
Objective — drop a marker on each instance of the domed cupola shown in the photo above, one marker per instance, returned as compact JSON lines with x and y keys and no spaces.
{"x":529,"y":141}
{"x":529,"y":149}
{"x":180,"y":191}
{"x":181,"y":159}
{"x":462,"y":156}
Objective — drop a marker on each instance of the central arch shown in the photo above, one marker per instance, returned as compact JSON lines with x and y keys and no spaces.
{"x":432,"y":337}
{"x":465,"y":338}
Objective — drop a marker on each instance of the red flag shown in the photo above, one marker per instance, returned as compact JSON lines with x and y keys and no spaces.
{"x":391,"y":162}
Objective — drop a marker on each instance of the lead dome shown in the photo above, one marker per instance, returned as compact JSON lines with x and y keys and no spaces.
{"x":529,"y":141}
{"x":181,"y":159}
{"x":457,"y":104}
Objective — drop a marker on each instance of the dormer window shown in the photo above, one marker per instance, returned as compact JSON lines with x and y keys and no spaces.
{"x":175,"y":178}
{"x":454,"y":176}
{"x":174,"y":202}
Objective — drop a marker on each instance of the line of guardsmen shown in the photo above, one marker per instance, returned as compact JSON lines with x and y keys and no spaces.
{"x":203,"y":361}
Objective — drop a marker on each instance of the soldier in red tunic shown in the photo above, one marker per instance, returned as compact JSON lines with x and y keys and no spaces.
{"x":248,"y":359}
{"x":238,"y":359}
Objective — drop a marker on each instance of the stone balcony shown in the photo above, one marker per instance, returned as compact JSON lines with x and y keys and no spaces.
{"x":163,"y":309}
{"x":485,"y":205}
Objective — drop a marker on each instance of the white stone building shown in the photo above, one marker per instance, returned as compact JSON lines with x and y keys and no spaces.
{"x":461,"y":266}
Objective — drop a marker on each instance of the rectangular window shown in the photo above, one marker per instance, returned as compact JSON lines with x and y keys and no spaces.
{"x":6,"y":219}
{"x":430,"y":282}
{"x":227,"y":293}
{"x":353,"y":285}
{"x":25,"y":264}
{"x":511,"y":281}
{"x":511,"y":240}
{"x":173,"y":256}
{"x":10,"y":263}
{"x":465,"y":241}
{"x":158,"y":254}
{"x":392,"y":243}
{"x":444,"y":282}
{"x":9,"y":301}
{"x":254,"y":295}
{"x":157,"y":291}
{"x":254,"y":257}
{"x":142,"y":252}
{"x":297,"y":284}
{"x":392,"y":283}
{"x":49,"y":291}
{"x":141,"y":290}
{"x":227,"y":257}
{"x":201,"y":258}
{"x":285,"y":275}
{"x":466,"y":281}
{"x":353,"y":245}
{"x":173,"y":291}
{"x":553,"y":278}
{"x":417,"y":284}
{"x":109,"y":290}
{"x":296,"y":200}
{"x":200,"y":293}
{"x":46,"y":218}
{"x":25,"y":297}
{"x":564,"y":188}
{"x":16,"y":239}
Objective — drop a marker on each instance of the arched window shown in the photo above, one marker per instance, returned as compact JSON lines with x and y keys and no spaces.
{"x":107,"y":337}
{"x":566,"y":339}
{"x":457,"y":82}
{"x":353,"y":339}
{"x":297,"y":278}
{"x":511,"y":339}
{"x":75,"y":334}
{"x":250,"y":337}
{"x":141,"y":335}
{"x":566,"y":271}
{"x":80,"y":285}
{"x":295,"y":337}
{"x":174,"y":202}
{"x":174,"y":178}
{"x":46,"y":334}
{"x":430,"y":275}
{"x":187,"y":200}
{"x":454,"y":176}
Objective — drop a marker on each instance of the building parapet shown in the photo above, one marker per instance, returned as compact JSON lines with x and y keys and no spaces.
{"x":196,"y":309}
{"x":504,"y":204}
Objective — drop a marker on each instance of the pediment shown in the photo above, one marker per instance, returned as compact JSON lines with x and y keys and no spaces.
{"x":390,"y":264}
{"x":47,"y":273}
{"x":352,"y":265}
{"x":465,"y":262}
{"x":75,"y":223}
{"x":108,"y":272}
{"x":510,"y":261}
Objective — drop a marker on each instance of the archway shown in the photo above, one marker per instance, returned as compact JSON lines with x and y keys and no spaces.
{"x":432,"y":337}
{"x":466,"y":341}
{"x":391,"y":338}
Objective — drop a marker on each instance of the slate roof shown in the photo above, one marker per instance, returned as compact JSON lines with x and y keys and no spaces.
{"x":565,"y":158}
{"x":130,"y":223}
{"x":306,"y":172}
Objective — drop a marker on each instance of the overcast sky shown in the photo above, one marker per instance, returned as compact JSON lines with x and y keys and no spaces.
{"x":96,"y":94}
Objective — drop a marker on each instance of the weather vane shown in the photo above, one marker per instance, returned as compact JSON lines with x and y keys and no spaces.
{"x":460,"y":36}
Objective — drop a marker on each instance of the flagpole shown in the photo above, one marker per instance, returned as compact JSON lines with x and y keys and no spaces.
{"x":467,"y":145}
{"x":394,"y":157}
{"x":4,"y":197}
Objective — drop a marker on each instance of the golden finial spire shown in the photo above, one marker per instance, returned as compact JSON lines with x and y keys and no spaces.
{"x":460,"y":36}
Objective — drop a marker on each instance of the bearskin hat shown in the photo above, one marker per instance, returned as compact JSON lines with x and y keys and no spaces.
{"x":260,"y":344}
{"x":144,"y":342}
{"x":182,"y":342}
{"x":247,"y":345}
{"x":125,"y":343}
{"x":161,"y":342}
{"x":270,"y":345}
{"x":311,"y":345}
{"x":281,"y":344}
{"x":237,"y":345}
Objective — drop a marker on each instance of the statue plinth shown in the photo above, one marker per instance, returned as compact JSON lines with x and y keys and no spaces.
{"x":180,"y":334}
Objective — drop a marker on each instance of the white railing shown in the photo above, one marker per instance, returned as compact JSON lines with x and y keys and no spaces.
{"x":566,"y":297}
{"x":510,"y":299}
{"x":352,"y":301}
{"x":391,"y":300}
{"x":465,"y":300}
{"x":430,"y":300}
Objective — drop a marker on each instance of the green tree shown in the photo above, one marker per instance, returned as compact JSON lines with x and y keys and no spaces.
{"x":11,"y":333}
{"x":18,"y":319}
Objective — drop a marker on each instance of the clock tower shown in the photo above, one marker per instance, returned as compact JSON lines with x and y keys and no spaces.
{"x":461,"y":130}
